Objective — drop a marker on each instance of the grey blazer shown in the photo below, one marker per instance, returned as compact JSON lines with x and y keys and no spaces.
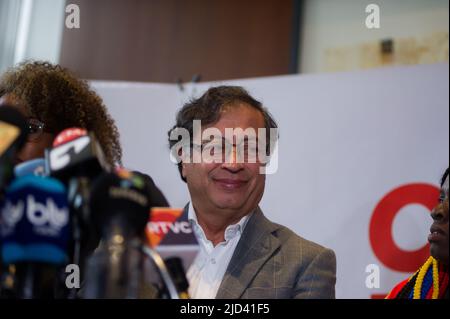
{"x":271,"y":261}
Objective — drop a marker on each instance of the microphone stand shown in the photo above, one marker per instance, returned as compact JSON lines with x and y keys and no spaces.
{"x":162,"y":269}
{"x":78,"y":194}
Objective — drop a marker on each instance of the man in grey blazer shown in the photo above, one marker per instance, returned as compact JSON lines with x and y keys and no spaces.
{"x":242,"y":253}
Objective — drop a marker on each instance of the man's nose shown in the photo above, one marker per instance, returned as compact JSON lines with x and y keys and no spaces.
{"x":232,"y":161}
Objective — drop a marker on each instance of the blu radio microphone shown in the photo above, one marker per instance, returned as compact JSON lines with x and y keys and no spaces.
{"x":34,"y":235}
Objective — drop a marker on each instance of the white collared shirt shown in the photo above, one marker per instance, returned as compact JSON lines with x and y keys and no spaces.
{"x":206,"y":272}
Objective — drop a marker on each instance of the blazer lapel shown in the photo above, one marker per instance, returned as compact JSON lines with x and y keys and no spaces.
{"x":256,"y":245}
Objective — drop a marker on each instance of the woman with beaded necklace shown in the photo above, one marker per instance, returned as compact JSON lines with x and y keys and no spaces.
{"x":431,"y":280}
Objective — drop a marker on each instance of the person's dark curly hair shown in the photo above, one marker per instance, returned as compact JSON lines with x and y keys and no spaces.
{"x":55,"y":96}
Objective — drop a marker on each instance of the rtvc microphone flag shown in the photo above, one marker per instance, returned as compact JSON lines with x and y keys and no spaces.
{"x":170,"y":233}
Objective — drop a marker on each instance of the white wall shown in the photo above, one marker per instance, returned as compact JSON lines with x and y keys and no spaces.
{"x":339,"y":23}
{"x":45,"y":33}
{"x":9,"y":13}
{"x":30,"y":29}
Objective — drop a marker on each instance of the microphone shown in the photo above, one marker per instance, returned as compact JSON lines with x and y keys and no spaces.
{"x":68,"y":135}
{"x":75,"y":153}
{"x":32,"y":167}
{"x":120,"y":207}
{"x":76,"y":159}
{"x":13,"y":135}
{"x":175,"y":267}
{"x":34,"y":234}
{"x":170,"y":233}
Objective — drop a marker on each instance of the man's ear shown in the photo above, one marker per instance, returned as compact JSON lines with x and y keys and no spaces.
{"x":183,"y":170}
{"x":182,"y":154}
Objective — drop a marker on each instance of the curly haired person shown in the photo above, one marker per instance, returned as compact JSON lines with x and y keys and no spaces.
{"x":53,"y":99}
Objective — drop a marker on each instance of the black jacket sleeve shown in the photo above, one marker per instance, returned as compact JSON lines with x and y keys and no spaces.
{"x":157,"y":197}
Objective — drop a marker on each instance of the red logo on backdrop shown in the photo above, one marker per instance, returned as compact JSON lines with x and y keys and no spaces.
{"x":381,"y":233}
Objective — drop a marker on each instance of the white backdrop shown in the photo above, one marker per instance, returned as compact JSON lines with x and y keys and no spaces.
{"x":347,"y":139}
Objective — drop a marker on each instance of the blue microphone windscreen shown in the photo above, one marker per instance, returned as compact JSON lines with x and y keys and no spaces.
{"x":32,"y":167}
{"x":35,"y":221}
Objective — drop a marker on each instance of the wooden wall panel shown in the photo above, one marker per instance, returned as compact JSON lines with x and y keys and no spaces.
{"x":164,"y":40}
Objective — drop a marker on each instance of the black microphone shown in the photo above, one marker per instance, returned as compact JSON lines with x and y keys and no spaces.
{"x":13,"y":135}
{"x":34,"y":234}
{"x":76,"y":159}
{"x":120,"y":208}
{"x":176,"y":270}
{"x":75,"y":152}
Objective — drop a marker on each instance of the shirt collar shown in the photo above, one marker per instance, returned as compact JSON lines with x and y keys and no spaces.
{"x":230,"y":231}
